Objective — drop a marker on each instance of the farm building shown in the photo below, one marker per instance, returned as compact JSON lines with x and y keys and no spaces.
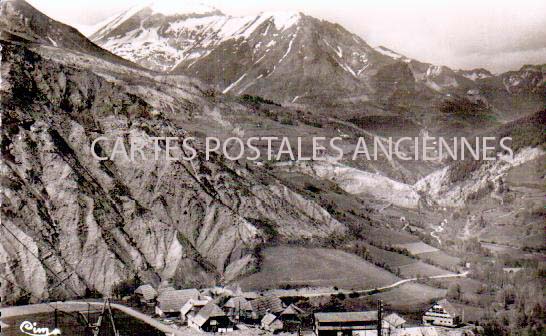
{"x":393,"y":321}
{"x":443,"y":313}
{"x":170,"y":302}
{"x":191,"y":308}
{"x":291,"y":313}
{"x":271,"y":323}
{"x":210,"y":318}
{"x":344,"y":323}
{"x":291,"y":318}
{"x":266,"y":304}
{"x":146,"y":294}
{"x":238,"y":308}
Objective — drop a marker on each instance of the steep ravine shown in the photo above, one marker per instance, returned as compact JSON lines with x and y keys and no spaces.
{"x":436,"y":188}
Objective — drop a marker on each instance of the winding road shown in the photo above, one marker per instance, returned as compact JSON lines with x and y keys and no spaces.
{"x":300,"y":293}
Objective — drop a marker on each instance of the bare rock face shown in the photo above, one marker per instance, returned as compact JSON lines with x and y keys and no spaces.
{"x":72,"y":224}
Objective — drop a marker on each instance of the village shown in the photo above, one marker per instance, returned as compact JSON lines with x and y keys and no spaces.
{"x":229,"y":310}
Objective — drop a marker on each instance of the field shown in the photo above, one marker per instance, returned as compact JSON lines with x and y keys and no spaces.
{"x":408,"y":267}
{"x":418,"y":248}
{"x":390,"y":237}
{"x":285,"y":267}
{"x":440,"y":258}
{"x":392,"y":259}
{"x":416,"y":299}
{"x":421,"y":269}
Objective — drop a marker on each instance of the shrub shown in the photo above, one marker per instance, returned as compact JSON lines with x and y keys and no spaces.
{"x":354,"y":295}
{"x":257,"y":100}
{"x":287,"y":121}
{"x":126,"y":287}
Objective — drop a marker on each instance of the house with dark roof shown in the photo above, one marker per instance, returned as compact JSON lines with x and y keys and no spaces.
{"x":170,"y":302}
{"x":443,"y":313}
{"x":344,"y":323}
{"x":146,"y":294}
{"x":271,"y":323}
{"x":210,"y":318}
{"x":291,"y":317}
{"x":238,"y":308}
{"x":291,"y":313}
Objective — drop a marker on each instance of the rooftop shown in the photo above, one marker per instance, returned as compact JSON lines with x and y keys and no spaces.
{"x":368,"y":316}
{"x":147,"y":292}
{"x":239,"y":303}
{"x":208,"y":311}
{"x":266,"y":304}
{"x":394,"y":319}
{"x":268,"y":319}
{"x":449,"y":307}
{"x":173,"y":300}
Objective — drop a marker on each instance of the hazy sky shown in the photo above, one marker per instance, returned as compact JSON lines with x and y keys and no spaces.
{"x":497,"y":35}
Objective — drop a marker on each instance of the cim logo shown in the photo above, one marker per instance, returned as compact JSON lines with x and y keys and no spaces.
{"x":30,"y":328}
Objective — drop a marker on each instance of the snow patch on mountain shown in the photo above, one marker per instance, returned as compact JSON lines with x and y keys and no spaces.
{"x":232,"y":85}
{"x":388,"y":52}
{"x":186,"y":37}
{"x":474,"y":76}
{"x":288,"y":49}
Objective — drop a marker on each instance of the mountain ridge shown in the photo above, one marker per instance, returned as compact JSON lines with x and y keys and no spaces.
{"x":301,"y":61}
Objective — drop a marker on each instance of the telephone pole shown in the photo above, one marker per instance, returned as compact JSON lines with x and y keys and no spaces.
{"x":380,"y":318}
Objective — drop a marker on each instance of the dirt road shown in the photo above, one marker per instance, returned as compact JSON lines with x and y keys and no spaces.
{"x":309,"y":292}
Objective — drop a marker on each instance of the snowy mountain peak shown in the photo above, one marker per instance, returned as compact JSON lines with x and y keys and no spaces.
{"x":159,"y":36}
{"x":162,"y":7}
{"x":282,"y":20}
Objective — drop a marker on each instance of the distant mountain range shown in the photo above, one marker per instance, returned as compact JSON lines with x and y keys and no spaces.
{"x":290,"y":58}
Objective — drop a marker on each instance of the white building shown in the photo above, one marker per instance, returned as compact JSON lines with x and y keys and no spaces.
{"x":443,"y":313}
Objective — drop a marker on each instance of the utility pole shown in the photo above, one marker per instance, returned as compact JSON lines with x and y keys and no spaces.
{"x":116,"y":333}
{"x":56,"y":318}
{"x":96,"y":326}
{"x":380,"y":318}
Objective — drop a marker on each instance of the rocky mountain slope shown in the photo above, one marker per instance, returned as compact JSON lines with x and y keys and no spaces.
{"x":72,"y":225}
{"x":22,"y":22}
